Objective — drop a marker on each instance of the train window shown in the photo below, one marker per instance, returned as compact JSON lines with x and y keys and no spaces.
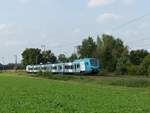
{"x":71,"y":67}
{"x":93,"y":62}
{"x":60,"y":67}
{"x":55,"y":68}
{"x":35,"y":68}
{"x":78,"y":66}
{"x":86,"y":63}
{"x":66,"y":67}
{"x":43,"y":68}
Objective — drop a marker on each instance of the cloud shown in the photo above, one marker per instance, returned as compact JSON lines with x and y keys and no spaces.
{"x":107,"y":18}
{"x":129,"y":1}
{"x":2,"y":26}
{"x":95,"y":3}
{"x":23,"y":1}
{"x":7,"y":29}
{"x":76,"y":31}
{"x":8,"y":34}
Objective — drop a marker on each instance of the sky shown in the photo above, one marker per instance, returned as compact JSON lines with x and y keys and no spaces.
{"x":63,"y":24}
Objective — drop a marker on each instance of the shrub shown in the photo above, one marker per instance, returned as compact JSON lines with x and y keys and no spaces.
{"x":145,"y":65}
{"x":122,"y":65}
{"x":131,"y":83}
{"x":50,"y":75}
{"x":103,"y":72}
{"x":148,"y":71}
{"x":39,"y":73}
{"x":134,"y":70}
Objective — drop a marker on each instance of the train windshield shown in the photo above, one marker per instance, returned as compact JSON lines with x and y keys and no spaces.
{"x":93,"y":62}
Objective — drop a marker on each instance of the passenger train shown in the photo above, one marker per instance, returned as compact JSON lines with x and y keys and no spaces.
{"x":85,"y":66}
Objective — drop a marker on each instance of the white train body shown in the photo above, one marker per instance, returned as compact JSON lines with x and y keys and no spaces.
{"x":88,"y":65}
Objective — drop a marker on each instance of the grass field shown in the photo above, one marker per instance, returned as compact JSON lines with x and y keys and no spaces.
{"x":24,"y":94}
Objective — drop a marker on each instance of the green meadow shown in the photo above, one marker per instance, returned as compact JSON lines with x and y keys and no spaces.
{"x":21,"y":93}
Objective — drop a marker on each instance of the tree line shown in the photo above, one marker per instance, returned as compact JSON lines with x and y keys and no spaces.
{"x":113,"y":54}
{"x":11,"y":66}
{"x":35,"y":56}
{"x":115,"y":57}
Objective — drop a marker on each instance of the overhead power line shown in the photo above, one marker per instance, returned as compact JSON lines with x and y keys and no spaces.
{"x":132,"y":21}
{"x":140,"y":39}
{"x":137,"y":39}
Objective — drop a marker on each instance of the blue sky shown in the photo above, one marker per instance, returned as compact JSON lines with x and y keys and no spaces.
{"x":63,"y":24}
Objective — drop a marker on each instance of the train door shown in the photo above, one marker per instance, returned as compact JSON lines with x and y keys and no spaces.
{"x":74,"y":68}
{"x":82,"y":66}
{"x":78,"y":68}
{"x":49,"y":68}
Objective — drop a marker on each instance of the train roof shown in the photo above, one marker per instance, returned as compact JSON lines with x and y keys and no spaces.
{"x":75,"y":61}
{"x":84,"y":59}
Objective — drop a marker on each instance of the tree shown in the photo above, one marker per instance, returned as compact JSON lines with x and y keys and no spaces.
{"x":122,"y":65}
{"x":88,"y":48}
{"x":11,"y":66}
{"x":109,"y":50}
{"x":53,"y":58}
{"x":1,"y":66}
{"x":148,"y":70}
{"x":73,"y":57}
{"x":34,"y":56}
{"x":31,"y":56}
{"x":145,"y":65}
{"x":48,"y":57}
{"x":137,"y":56}
{"x":62,"y":58}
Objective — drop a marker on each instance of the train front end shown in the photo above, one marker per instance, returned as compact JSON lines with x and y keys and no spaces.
{"x":94,"y":65}
{"x":91,"y":65}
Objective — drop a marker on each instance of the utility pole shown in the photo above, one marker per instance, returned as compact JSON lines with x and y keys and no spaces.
{"x":76,"y":50}
{"x":36,"y":60}
{"x":75,"y":47}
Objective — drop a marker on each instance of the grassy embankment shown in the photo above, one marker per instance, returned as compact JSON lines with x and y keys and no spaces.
{"x":20,"y":93}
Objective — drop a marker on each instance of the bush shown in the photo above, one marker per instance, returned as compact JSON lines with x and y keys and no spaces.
{"x":148,"y":71}
{"x":103,"y":72}
{"x":50,"y":75}
{"x":145,"y":65}
{"x":122,"y":65}
{"x":132,"y":83}
{"x":39,"y":73}
{"x":134,"y":70}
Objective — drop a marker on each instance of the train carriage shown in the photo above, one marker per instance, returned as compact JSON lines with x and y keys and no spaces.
{"x":86,"y":65}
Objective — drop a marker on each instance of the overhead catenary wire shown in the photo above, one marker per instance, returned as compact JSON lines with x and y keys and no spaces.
{"x":132,"y":21}
{"x":136,"y":39}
